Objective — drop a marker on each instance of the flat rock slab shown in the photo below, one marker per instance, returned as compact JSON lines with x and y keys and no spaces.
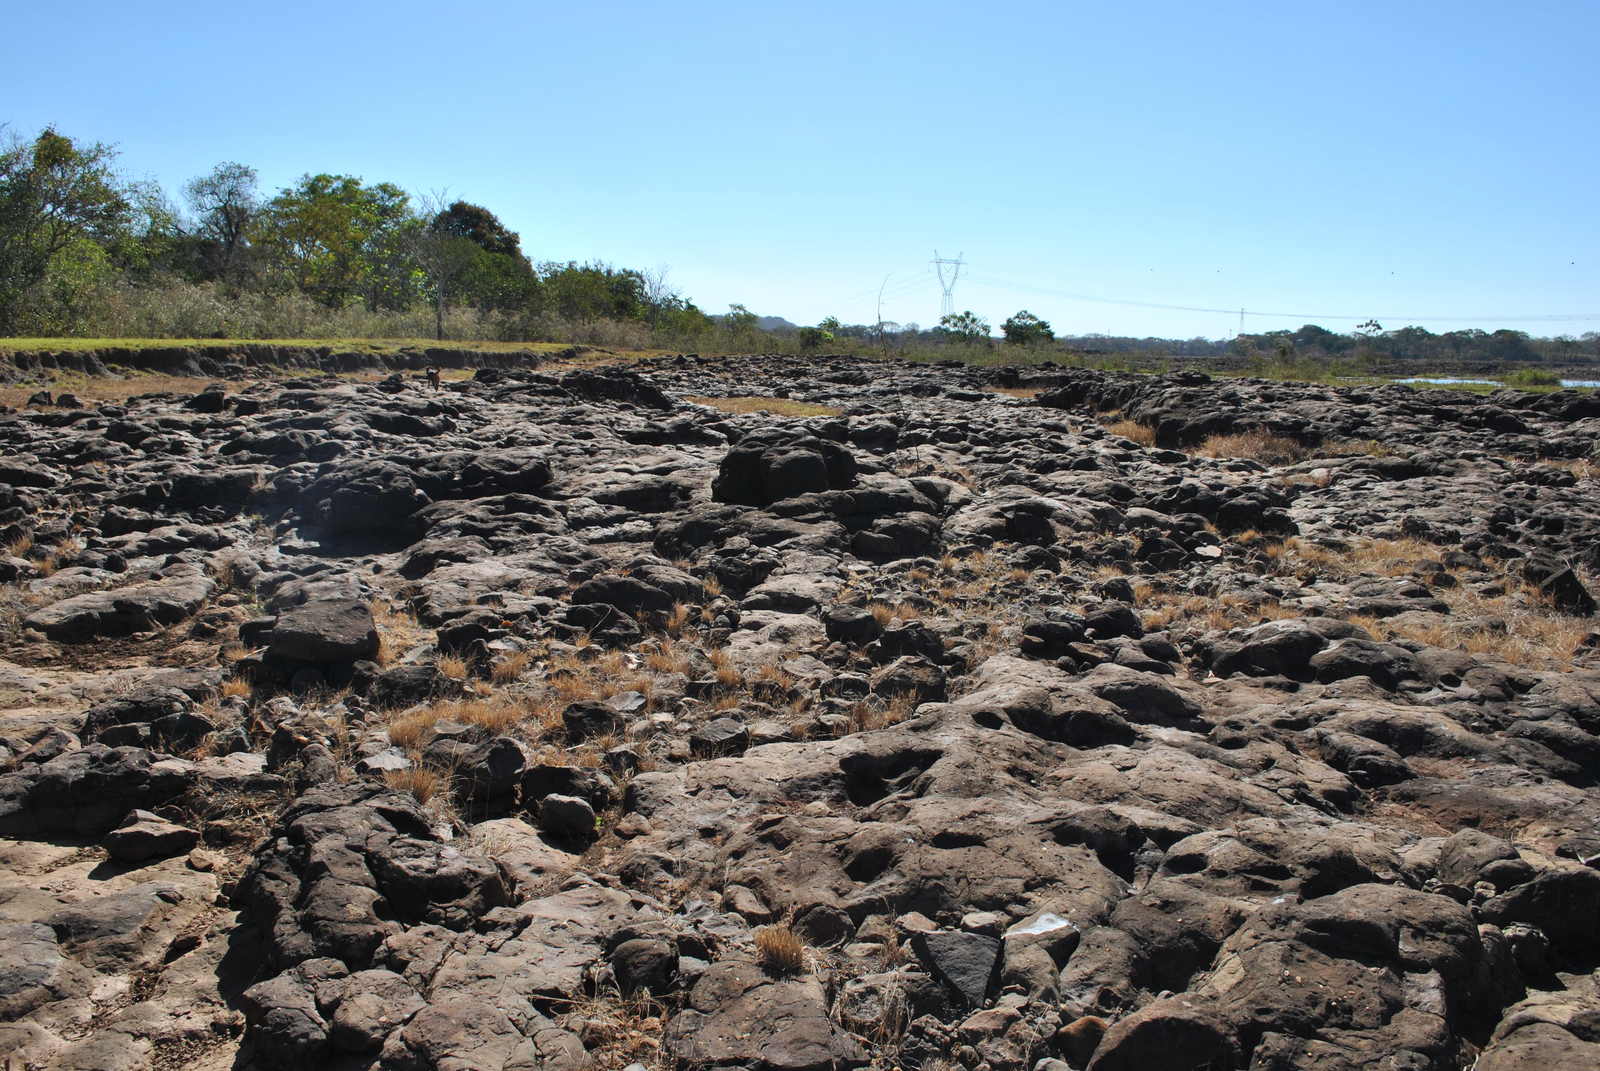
{"x":122,"y":612}
{"x":740,"y":1015}
{"x":146,"y":836}
{"x":325,"y":631}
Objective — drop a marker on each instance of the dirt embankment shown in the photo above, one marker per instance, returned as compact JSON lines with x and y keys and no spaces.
{"x":224,"y":359}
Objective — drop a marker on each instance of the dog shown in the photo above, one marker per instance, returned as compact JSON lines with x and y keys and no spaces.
{"x":433,"y":378}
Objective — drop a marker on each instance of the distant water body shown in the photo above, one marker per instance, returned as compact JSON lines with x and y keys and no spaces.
{"x":1449,"y":381}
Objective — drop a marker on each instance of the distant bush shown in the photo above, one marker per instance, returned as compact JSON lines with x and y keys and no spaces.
{"x":1531,"y":377}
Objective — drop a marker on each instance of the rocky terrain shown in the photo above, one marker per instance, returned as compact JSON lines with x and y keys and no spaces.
{"x":580,"y":718}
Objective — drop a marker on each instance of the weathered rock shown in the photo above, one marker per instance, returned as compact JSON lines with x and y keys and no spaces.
{"x":331,"y":630}
{"x":145,"y":836}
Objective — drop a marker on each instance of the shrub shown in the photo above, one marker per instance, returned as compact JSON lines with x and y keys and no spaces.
{"x":780,"y":949}
{"x":1531,"y":377}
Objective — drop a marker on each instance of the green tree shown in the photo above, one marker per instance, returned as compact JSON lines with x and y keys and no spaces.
{"x":741,"y":324}
{"x":814,"y":338}
{"x":54,"y":197}
{"x":225,"y":204}
{"x":496,"y":275}
{"x":337,"y":239}
{"x":480,"y":226}
{"x":1024,"y":329}
{"x":966,"y":326}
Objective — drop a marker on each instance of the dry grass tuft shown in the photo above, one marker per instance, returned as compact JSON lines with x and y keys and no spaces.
{"x":712,"y":587}
{"x":398,"y":629}
{"x":618,"y":1030}
{"x":236,"y":688}
{"x":678,"y":618}
{"x":511,"y":667}
{"x":1255,"y":445}
{"x":1133,"y":431}
{"x":411,"y":731}
{"x":667,"y":658}
{"x":452,"y":666}
{"x":780,"y":949}
{"x":421,"y":782}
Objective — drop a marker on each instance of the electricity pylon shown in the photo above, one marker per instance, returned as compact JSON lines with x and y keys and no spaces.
{"x":948,"y":308}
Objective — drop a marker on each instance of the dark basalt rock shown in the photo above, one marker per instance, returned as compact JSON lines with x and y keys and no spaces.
{"x":775,"y":463}
{"x":1052,"y":739}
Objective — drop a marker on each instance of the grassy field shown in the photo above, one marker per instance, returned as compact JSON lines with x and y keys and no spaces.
{"x":124,"y":383}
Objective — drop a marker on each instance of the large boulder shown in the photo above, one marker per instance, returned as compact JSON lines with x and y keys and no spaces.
{"x":771,"y":464}
{"x":325,"y":631}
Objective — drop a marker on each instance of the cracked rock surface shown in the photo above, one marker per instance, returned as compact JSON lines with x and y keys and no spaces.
{"x":906,"y":716}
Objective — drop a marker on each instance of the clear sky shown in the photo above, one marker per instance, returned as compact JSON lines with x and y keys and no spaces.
{"x":1427,"y":162}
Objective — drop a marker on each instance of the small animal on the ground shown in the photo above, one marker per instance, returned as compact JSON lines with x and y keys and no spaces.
{"x":433,"y":378}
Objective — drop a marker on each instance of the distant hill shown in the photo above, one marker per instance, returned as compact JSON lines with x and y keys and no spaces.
{"x":776,"y":324}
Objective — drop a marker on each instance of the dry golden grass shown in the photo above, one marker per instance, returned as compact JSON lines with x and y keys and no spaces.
{"x":398,"y":630}
{"x":726,"y":673}
{"x":678,"y":618}
{"x":868,"y":716}
{"x":498,"y":713}
{"x":780,"y":949}
{"x":92,"y":389}
{"x":755,"y":403}
{"x":19,"y":546}
{"x":905,"y":611}
{"x":1382,"y":557}
{"x":453,"y":667}
{"x":236,"y":688}
{"x":668,"y":657}
{"x":420,"y":781}
{"x":882,"y":613}
{"x":712,"y":587}
{"x":1166,"y":610}
{"x":1516,"y":628}
{"x":510,"y":667}
{"x":1255,"y":445}
{"x":1133,"y":431}
{"x":618,"y":1030}
{"x":411,"y":730}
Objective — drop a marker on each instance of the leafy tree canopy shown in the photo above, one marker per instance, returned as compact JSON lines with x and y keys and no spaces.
{"x":967,"y":326}
{"x":1024,"y":328}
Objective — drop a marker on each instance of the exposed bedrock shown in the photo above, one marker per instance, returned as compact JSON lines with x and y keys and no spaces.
{"x":550,"y":720}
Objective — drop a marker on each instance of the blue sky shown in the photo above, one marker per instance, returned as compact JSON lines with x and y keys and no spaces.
{"x":1422,"y":162}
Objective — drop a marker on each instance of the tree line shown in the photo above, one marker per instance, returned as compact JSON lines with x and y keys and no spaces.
{"x":1368,"y":344}
{"x":85,"y":252}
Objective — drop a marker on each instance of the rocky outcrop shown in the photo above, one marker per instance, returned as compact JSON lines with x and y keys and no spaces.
{"x":550,"y":720}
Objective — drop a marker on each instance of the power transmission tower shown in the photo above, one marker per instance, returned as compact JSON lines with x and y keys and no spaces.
{"x":948,"y":308}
